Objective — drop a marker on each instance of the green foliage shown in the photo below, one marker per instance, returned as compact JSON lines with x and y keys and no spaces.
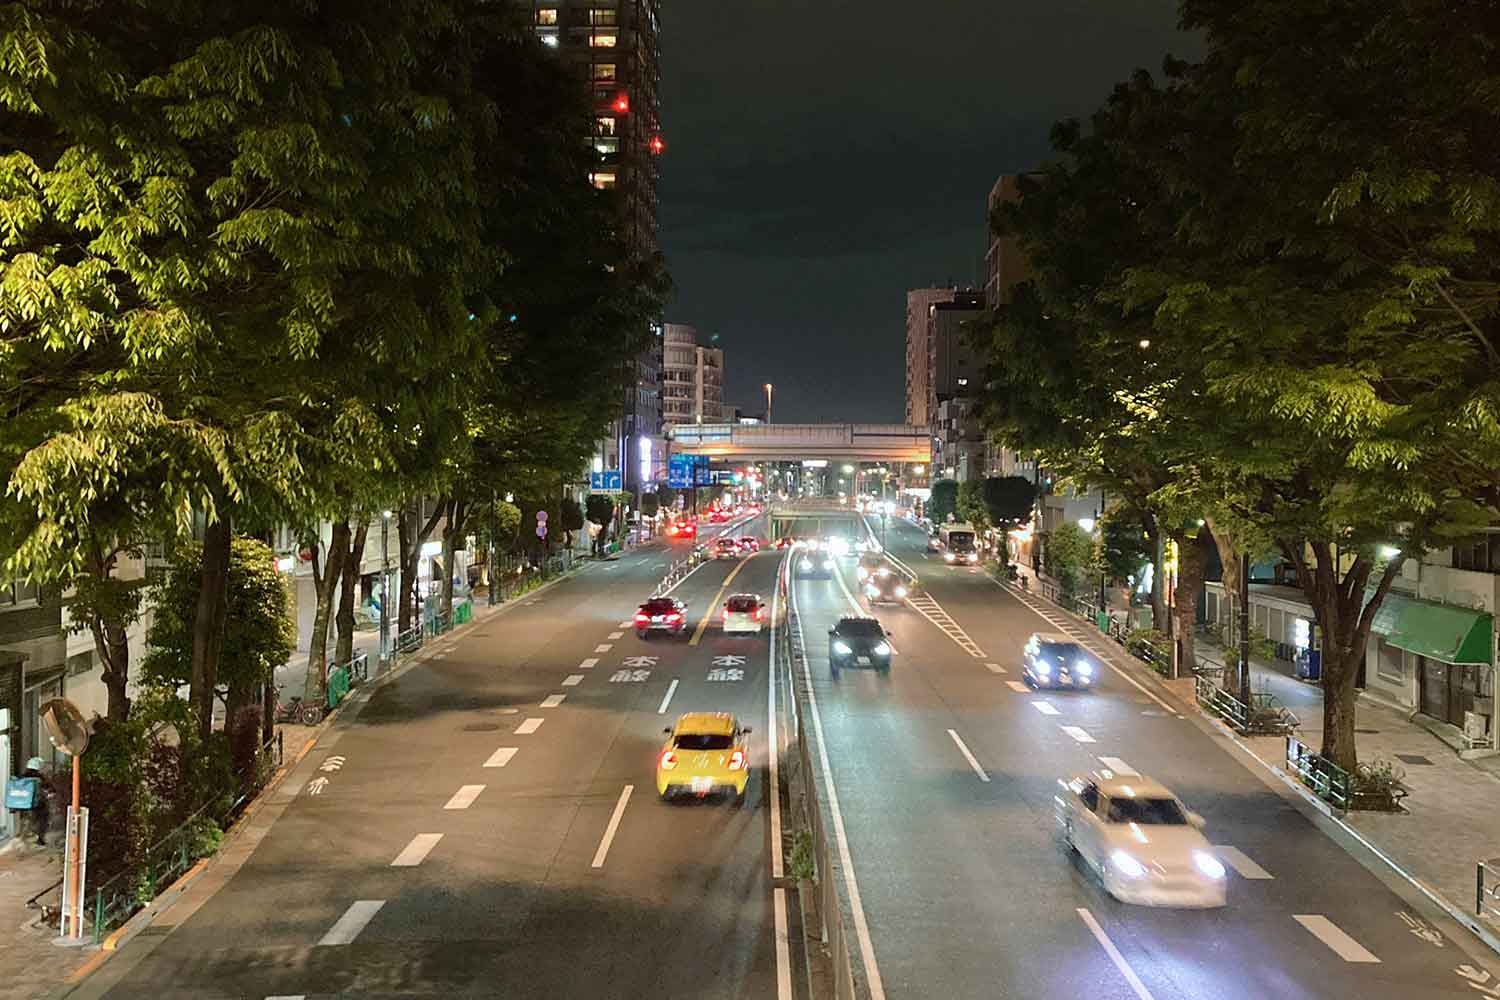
{"x":802,"y":865}
{"x":970,"y":505}
{"x":571,"y":515}
{"x":259,"y":633}
{"x":1069,"y":554}
{"x":944,"y":501}
{"x":600,"y":508}
{"x":649,"y":504}
{"x":1008,"y":500}
{"x":1124,"y":547}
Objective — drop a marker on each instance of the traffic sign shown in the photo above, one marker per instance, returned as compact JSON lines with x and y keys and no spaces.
{"x":605,"y":481}
{"x":541,"y":516}
{"x":541,"y":531}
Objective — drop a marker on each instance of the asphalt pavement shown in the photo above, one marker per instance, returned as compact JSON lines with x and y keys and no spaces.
{"x":946,"y":772}
{"x":488,"y":824}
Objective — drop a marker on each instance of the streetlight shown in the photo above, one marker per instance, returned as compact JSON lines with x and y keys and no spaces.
{"x":769,"y":387}
{"x":385,"y":581}
{"x":1087,"y":524}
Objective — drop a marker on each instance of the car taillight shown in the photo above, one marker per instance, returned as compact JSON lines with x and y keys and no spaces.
{"x":668,"y":760}
{"x":642,"y":617}
{"x":760,"y":614}
{"x":674,"y":616}
{"x":737,"y":760}
{"x":724,"y":614}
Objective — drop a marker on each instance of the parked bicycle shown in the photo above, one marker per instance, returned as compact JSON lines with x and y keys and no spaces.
{"x":298,"y":710}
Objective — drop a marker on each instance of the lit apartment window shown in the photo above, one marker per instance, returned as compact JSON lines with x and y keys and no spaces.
{"x":602,"y":180}
{"x":546,"y":15}
{"x":549,"y":39}
{"x":606,"y":147}
{"x":602,"y":41}
{"x":606,"y":126}
{"x":602,"y":17}
{"x":604,"y":71}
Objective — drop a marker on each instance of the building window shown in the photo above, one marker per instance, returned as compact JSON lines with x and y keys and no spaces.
{"x":603,"y":180}
{"x":606,"y":126}
{"x":604,"y":71}
{"x":602,"y":41}
{"x":546,"y":15}
{"x":1481,"y":554}
{"x":601,"y":17}
{"x":81,"y":663}
{"x":549,"y":39}
{"x":606,"y":147}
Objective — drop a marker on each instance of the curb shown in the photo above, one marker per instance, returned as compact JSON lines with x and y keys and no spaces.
{"x":1455,"y":912}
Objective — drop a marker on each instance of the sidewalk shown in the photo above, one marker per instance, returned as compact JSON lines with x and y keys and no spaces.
{"x":33,"y":964}
{"x":1452,"y":817}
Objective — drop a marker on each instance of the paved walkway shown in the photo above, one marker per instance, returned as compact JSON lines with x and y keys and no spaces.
{"x":32,"y":963}
{"x":1452,"y":818}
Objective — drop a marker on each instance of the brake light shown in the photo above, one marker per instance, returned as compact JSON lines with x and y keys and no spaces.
{"x":760,"y":614}
{"x":724,"y":614}
{"x":737,"y":760}
{"x":674,"y":616}
{"x":668,"y":760}
{"x":641,"y":616}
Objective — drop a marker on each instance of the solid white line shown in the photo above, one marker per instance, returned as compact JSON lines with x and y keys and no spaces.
{"x":666,"y":699}
{"x":589,"y":664}
{"x":1241,"y":863}
{"x":1080,"y":735}
{"x":1045,"y":707}
{"x":616,"y":635}
{"x":783,"y":949}
{"x":288,"y":996}
{"x":572,"y":680}
{"x":464,"y":797}
{"x":614,"y":824}
{"x":995,"y":668}
{"x":861,"y":925}
{"x":603,"y":647}
{"x":1328,"y":932}
{"x":360,"y":913}
{"x":963,"y":749}
{"x":1114,"y":955}
{"x":412,"y":854}
{"x":1019,"y":687}
{"x":528,"y":727}
{"x":1118,"y":766}
{"x":773,"y":770}
{"x":553,"y":700}
{"x":501,"y":757}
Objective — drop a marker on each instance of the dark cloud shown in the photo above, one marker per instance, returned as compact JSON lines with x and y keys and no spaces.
{"x":826,"y":155}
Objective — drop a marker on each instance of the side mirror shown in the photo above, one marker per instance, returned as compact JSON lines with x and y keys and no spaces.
{"x":745,"y":729}
{"x":1197,"y":820}
{"x":833,"y":631}
{"x":668,"y":730}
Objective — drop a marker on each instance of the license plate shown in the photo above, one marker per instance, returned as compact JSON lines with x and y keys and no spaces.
{"x":657,"y":619}
{"x":703,"y":785}
{"x":864,"y":661}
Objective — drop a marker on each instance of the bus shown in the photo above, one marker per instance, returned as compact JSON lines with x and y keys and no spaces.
{"x":957,"y":542}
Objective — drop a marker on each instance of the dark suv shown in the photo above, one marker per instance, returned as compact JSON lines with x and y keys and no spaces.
{"x":858,"y":642}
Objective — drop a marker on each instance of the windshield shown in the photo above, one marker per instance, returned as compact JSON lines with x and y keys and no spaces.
{"x":1147,"y":812}
{"x":860,"y":629}
{"x":703,"y":741}
{"x":743,"y":604}
{"x":960,"y":539}
{"x":656,"y":607}
{"x":1062,"y":650}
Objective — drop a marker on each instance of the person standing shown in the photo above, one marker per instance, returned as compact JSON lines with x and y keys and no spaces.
{"x":41,"y":803}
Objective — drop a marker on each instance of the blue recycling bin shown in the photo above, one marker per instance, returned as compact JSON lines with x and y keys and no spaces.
{"x":1309,"y":665}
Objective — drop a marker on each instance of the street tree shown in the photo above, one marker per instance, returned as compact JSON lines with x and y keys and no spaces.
{"x":943,"y":501}
{"x":1009,"y":502}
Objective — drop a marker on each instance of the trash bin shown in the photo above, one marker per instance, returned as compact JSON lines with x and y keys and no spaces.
{"x":1102,"y":619}
{"x":1309,"y":665}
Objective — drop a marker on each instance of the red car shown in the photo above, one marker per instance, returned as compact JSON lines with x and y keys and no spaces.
{"x":748,"y":544}
{"x":681,"y":529}
{"x":786,"y":541}
{"x":661,"y":614}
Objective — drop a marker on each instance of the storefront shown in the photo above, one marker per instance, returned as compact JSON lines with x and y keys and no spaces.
{"x":1448,"y":649}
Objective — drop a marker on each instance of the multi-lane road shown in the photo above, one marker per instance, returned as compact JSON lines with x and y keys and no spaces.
{"x":486,"y":824}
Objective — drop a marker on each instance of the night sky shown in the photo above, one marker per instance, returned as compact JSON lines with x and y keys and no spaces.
{"x":826,"y":155}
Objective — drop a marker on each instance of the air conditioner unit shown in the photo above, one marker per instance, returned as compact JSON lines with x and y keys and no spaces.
{"x":1476,"y":726}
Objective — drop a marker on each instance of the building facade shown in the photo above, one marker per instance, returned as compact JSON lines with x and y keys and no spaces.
{"x":692,"y":378}
{"x":1004,"y":264}
{"x":920,"y":401}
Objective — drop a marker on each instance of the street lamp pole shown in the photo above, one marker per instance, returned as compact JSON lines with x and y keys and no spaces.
{"x":385,"y":582}
{"x":494,"y":530}
{"x":768,"y":402}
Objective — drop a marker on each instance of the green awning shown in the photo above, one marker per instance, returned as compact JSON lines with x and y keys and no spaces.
{"x":1436,"y":631}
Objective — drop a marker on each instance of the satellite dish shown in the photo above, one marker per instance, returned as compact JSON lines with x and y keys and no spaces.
{"x":65,"y":725}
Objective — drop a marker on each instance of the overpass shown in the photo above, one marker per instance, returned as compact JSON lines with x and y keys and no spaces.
{"x":793,"y":442}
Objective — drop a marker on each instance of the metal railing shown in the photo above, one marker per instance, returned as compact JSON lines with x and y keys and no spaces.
{"x":1326,"y":779}
{"x":1487,"y":890}
{"x":409,"y":640}
{"x":1217,"y":702}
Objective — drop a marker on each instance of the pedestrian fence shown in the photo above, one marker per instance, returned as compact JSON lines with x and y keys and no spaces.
{"x":409,"y":640}
{"x":680,"y":569}
{"x":1487,"y":890}
{"x":1326,"y":779}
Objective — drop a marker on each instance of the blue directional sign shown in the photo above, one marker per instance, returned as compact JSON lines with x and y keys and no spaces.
{"x":701,"y":476}
{"x":680,"y":471}
{"x":605,"y":481}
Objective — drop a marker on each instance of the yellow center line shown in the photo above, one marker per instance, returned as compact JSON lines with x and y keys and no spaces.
{"x":703,"y":625}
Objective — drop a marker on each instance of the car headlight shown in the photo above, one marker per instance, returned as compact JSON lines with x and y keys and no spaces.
{"x":1126,"y":865}
{"x":882,"y":649}
{"x":900,"y":591}
{"x":1043,"y":667}
{"x":842,"y":648}
{"x":1084,"y":668}
{"x":806,"y":563}
{"x":1208,"y":865}
{"x":973,"y":557}
{"x":948,"y":557}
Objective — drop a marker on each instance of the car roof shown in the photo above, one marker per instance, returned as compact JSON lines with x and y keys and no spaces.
{"x":715,"y":723}
{"x":1054,"y":637}
{"x":1120,"y":786}
{"x":660,"y":600}
{"x":859,"y":618}
{"x":753,"y":597}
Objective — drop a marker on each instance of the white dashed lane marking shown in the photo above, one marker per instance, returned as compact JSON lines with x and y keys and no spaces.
{"x":412,"y":854}
{"x":528,"y":727}
{"x":553,"y":700}
{"x":1338,"y":942}
{"x":1045,"y":707}
{"x":603,"y":647}
{"x":1118,"y":766}
{"x":995,"y":668}
{"x":347,"y":928}
{"x":464,"y":797}
{"x":589,"y":664}
{"x":572,"y":680}
{"x":1018,"y":687}
{"x":614,"y":825}
{"x":501,"y":757}
{"x":963,"y":749}
{"x":1236,"y":859}
{"x":617,"y":635}
{"x":1080,"y":735}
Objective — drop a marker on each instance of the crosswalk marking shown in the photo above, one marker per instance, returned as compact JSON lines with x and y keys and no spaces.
{"x":1118,"y":766}
{"x":348,"y":926}
{"x":1018,"y":687}
{"x":1045,"y":707}
{"x":1236,"y":859}
{"x":1080,"y":735}
{"x":1338,"y":942}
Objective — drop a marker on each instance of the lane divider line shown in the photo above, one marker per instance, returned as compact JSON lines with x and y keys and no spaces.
{"x":614,"y":825}
{"x":615,"y":635}
{"x":501,"y":757}
{"x":713,"y":604}
{"x":553,"y":700}
{"x":1119,"y":767}
{"x":783,"y":947}
{"x":667,"y":698}
{"x":1045,"y":707}
{"x":626,"y":624}
{"x":589,"y":664}
{"x":1078,"y":734}
{"x":1241,"y":863}
{"x":1018,"y":687}
{"x":995,"y":668}
{"x":529,"y":726}
{"x":412,"y":854}
{"x":1338,"y":942}
{"x":572,"y":680}
{"x":773,"y":747}
{"x":348,"y":926}
{"x":968,"y":756}
{"x":603,"y":647}
{"x":464,"y":797}
{"x":1114,"y":956}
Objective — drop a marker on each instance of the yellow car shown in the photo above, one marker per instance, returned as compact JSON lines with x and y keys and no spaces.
{"x":704,"y":753}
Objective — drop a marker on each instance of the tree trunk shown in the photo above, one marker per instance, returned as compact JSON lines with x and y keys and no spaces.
{"x":1192,"y":563}
{"x":1345,"y":618}
{"x":111,"y":640}
{"x":349,"y":590}
{"x":325,"y":581}
{"x":404,"y":573}
{"x":1158,"y":584}
{"x":208,"y":622}
{"x":237,"y":698}
{"x":1229,"y":557}
{"x":410,"y":555}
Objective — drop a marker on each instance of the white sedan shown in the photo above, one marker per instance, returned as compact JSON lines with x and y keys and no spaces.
{"x":1145,"y":845}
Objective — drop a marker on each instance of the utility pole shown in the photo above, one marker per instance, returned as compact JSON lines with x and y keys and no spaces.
{"x":494,"y":546}
{"x":1245,"y":628}
{"x":385,"y":582}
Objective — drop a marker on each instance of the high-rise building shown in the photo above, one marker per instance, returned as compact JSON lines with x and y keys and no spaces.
{"x":1004,"y":263}
{"x":953,"y":374}
{"x":919,"y":398}
{"x":692,"y":378}
{"x":614,"y":47}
